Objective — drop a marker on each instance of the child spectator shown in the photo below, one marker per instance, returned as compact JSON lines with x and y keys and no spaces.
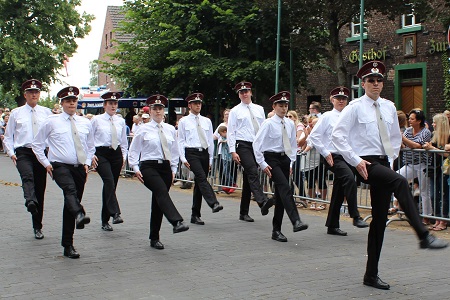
{"x":227,"y":174}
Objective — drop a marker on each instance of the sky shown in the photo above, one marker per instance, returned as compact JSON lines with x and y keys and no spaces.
{"x":88,"y":47}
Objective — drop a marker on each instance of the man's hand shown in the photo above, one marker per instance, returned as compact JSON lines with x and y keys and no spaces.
{"x":94,"y":162}
{"x":141,"y":177}
{"x":187,"y":165}
{"x":236,"y":158}
{"x":267,"y":171}
{"x":329,"y":159}
{"x":49,"y":169}
{"x":362,"y":170}
{"x":14,"y":159}
{"x":173,"y":177}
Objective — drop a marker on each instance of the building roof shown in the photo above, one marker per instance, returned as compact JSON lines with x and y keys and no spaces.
{"x":117,"y":14}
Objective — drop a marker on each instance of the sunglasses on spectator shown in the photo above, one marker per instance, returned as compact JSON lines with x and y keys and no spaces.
{"x":372,"y":80}
{"x":289,"y":116}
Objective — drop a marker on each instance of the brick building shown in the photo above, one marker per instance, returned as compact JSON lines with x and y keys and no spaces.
{"x":110,"y":39}
{"x":416,"y":58}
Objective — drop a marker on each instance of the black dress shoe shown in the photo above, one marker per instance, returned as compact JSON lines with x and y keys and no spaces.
{"x":299,"y":226}
{"x":180,"y":227}
{"x":246,"y":218}
{"x":70,"y":252}
{"x":81,"y":220}
{"x":278,"y":236}
{"x":266,"y":205}
{"x":38,"y":234}
{"x":32,"y":208}
{"x":376,"y":282}
{"x":336,"y":231}
{"x":107,"y":227}
{"x":156,"y":244}
{"x":431,"y":242}
{"x":217,"y":207}
{"x":117,"y":219}
{"x":197,"y":220}
{"x":359,"y":222}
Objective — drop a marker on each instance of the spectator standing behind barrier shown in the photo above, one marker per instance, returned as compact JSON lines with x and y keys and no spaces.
{"x":315,"y":108}
{"x":416,"y":163}
{"x":3,"y":128}
{"x":153,"y":155}
{"x":111,"y":147}
{"x":70,"y":149}
{"x":196,"y":146}
{"x":274,"y":148}
{"x":243,"y":124}
{"x":298,"y":174}
{"x":22,"y":127}
{"x":365,"y":136}
{"x":344,"y":184}
{"x":314,"y":170}
{"x":228,"y":172}
{"x":217,"y":136}
{"x":438,"y":181}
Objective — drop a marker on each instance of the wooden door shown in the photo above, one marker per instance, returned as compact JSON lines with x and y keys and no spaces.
{"x":411,"y":98}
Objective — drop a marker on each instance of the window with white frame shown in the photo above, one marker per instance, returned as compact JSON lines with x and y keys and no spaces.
{"x":354,"y":87}
{"x":355,"y":28}
{"x":410,"y":20}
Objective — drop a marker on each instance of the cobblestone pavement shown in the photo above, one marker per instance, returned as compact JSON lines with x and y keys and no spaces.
{"x":225,"y":259}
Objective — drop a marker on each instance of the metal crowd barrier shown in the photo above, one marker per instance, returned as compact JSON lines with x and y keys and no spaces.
{"x":311,"y":182}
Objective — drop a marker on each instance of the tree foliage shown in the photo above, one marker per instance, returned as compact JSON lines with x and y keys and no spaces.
{"x":183,"y":46}
{"x":35,"y":36}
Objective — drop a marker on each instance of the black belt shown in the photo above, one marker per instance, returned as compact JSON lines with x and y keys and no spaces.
{"x":195,"y":149}
{"x":156,"y":161}
{"x":244,"y":142}
{"x":23,"y":148}
{"x":69,"y":165}
{"x":106,"y":147}
{"x":377,"y":157}
{"x":274,"y":153}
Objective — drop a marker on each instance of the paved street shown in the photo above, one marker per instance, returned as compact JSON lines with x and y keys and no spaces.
{"x":225,"y":259}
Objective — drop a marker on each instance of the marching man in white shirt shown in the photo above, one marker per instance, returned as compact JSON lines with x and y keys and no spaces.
{"x":367,"y":136}
{"x":195,"y":140}
{"x":111,"y":148}
{"x":344,"y":184}
{"x":243,"y":123}
{"x":154,"y":156}
{"x":70,"y":150}
{"x":22,"y":127}
{"x":275,"y":147}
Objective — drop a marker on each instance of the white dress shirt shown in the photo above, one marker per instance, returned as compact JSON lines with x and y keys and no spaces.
{"x":146,"y":145}
{"x":270,"y":138}
{"x":57,"y":131}
{"x":320,"y":136}
{"x":240,"y":127}
{"x":356,"y":134}
{"x":19,"y":132}
{"x":188,"y":135}
{"x":101,"y":126}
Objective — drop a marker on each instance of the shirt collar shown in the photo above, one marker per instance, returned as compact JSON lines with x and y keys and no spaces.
{"x":66,"y":116}
{"x":106,"y":116}
{"x":154,"y":123}
{"x":29,"y":108}
{"x":277,"y":118}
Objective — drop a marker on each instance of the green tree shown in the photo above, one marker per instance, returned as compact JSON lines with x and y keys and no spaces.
{"x":36,"y":35}
{"x":93,"y":70}
{"x":182,"y":46}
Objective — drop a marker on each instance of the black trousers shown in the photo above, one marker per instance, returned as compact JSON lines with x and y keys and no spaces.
{"x":34,"y":180}
{"x":284,"y":199}
{"x":71,"y":179}
{"x":158,"y":179}
{"x":344,"y":185}
{"x":110,"y":163}
{"x":383,"y":182}
{"x":199,"y":162}
{"x":250,"y":182}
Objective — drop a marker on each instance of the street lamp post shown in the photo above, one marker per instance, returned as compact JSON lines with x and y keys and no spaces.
{"x":361,"y":45}
{"x":277,"y":67}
